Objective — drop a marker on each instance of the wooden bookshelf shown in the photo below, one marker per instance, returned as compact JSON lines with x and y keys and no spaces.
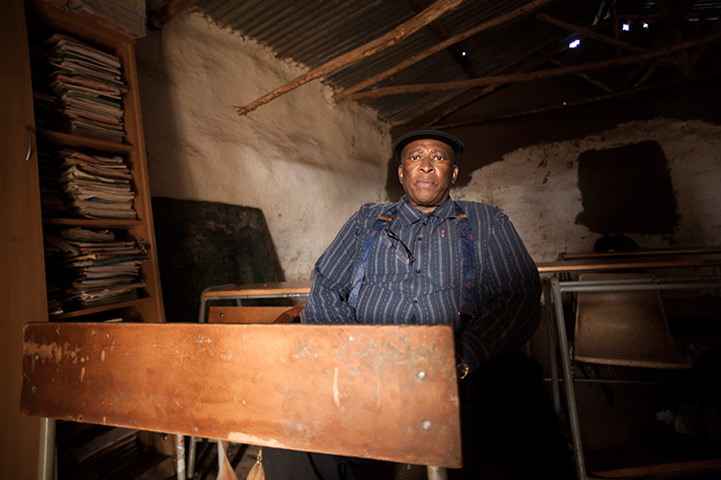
{"x":79,"y":314}
{"x":23,"y":279}
{"x":49,"y":17}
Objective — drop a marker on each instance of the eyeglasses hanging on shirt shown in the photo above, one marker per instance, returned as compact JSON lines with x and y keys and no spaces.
{"x":393,"y":237}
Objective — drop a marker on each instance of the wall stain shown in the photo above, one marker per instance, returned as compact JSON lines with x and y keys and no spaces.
{"x":627,"y":190}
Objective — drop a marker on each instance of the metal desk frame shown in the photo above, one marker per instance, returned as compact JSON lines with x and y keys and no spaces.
{"x":557,"y":289}
{"x":254,"y":292}
{"x":238,"y":293}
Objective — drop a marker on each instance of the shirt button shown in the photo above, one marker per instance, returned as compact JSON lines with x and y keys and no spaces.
{"x":418,"y":270}
{"x":415,"y":300}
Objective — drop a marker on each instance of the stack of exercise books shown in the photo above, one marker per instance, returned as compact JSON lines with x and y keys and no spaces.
{"x":87,"y":85}
{"x":96,"y":186}
{"x":90,"y":267}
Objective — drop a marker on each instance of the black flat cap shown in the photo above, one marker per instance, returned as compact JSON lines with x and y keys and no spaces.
{"x":444,"y":137}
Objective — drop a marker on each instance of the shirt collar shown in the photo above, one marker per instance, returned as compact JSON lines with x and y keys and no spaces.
{"x":408,"y":214}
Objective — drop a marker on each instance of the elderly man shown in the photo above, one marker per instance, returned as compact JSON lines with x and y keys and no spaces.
{"x":425,"y":260}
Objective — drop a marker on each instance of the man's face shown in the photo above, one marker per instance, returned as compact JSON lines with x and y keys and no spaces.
{"x":427,"y":171}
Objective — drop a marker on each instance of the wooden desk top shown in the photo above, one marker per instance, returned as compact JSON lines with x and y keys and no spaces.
{"x":602,"y":261}
{"x":254,"y":289}
{"x":624,"y":262}
{"x":341,"y":389}
{"x":641,"y":253}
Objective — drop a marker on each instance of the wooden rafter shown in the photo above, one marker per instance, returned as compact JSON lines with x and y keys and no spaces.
{"x":601,"y":38}
{"x":650,"y":69}
{"x":438,"y":47}
{"x":673,"y":19}
{"x":388,"y":40}
{"x":440,"y":32}
{"x":596,"y":83}
{"x":170,"y":10}
{"x":654,"y":17}
{"x":670,"y":21}
{"x":614,"y":26}
{"x":525,"y":67}
{"x":543,"y":74}
{"x":565,"y":105}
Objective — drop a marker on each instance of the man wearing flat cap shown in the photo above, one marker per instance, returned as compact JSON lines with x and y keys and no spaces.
{"x":428,"y":259}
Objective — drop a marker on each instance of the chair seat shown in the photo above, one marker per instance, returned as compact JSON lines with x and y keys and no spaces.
{"x":625,"y":328}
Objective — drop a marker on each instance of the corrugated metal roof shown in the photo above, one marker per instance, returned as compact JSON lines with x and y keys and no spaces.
{"x":312,"y":32}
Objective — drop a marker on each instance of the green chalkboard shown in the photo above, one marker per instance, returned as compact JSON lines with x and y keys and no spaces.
{"x":201,"y":244}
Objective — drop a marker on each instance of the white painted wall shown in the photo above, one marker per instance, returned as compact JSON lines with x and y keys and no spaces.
{"x":544,"y":213}
{"x":306,"y":162}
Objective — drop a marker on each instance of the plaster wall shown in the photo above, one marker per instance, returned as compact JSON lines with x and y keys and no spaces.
{"x":309,"y":163}
{"x":537,"y":186}
{"x":305,"y":161}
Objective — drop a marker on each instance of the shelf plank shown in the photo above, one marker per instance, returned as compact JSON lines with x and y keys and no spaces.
{"x":75,"y":141}
{"x":93,"y":222}
{"x":100,"y":308}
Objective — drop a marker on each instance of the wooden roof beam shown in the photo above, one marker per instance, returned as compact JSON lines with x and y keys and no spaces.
{"x":601,"y":38}
{"x":672,"y":20}
{"x":543,"y":74}
{"x":706,"y":14}
{"x":490,"y":89}
{"x":393,"y":37}
{"x":442,"y":35}
{"x":565,"y":105}
{"x":440,"y":46}
{"x":668,"y":34}
{"x":596,"y":83}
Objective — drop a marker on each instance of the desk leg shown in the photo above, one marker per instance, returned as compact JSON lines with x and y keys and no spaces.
{"x":437,"y":473}
{"x":46,"y":455}
{"x":551,"y":333}
{"x":191,"y":457}
{"x":180,"y":456}
{"x":568,"y":380}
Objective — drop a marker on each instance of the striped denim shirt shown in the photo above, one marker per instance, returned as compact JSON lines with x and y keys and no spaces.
{"x":412,"y":276}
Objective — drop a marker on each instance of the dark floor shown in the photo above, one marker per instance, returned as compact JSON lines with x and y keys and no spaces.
{"x":670,"y":448}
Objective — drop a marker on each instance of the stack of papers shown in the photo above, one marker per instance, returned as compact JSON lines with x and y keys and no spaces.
{"x":96,"y":186}
{"x":43,"y":99}
{"x":52,"y":198}
{"x":126,"y":16}
{"x":89,"y":267}
{"x":88,"y":88}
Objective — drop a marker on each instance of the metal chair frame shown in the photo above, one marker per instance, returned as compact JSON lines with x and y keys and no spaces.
{"x":557,"y":289}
